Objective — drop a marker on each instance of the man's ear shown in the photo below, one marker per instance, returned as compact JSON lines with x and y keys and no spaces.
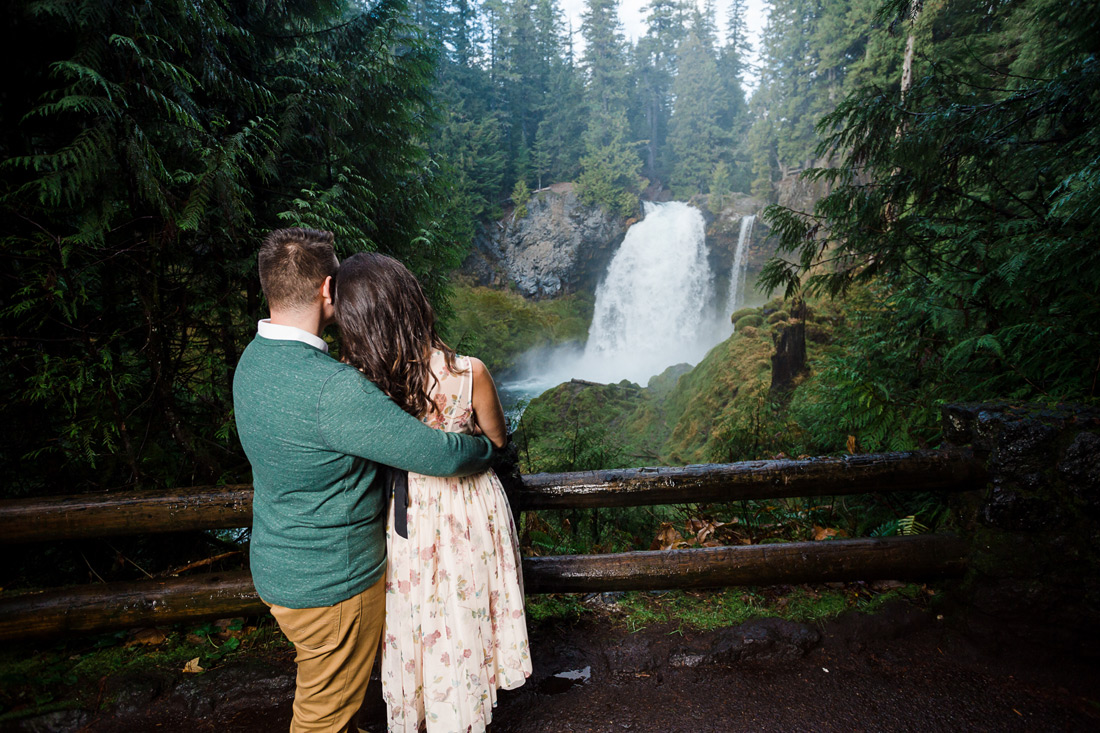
{"x":328,"y":290}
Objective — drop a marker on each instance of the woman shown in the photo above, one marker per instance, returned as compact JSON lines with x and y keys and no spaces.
{"x":455,"y":628}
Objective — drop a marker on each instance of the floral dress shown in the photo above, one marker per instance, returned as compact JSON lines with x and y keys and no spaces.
{"x":455,"y":628}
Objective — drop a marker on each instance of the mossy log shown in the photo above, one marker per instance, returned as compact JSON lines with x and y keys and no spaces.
{"x":212,"y":507}
{"x":113,"y":606}
{"x":906,"y":558}
{"x":955,"y":470}
{"x":79,"y":516}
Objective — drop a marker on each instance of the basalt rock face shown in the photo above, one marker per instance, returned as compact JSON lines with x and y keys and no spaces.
{"x":560,"y":246}
{"x":724,"y":229}
{"x":1035,"y":562}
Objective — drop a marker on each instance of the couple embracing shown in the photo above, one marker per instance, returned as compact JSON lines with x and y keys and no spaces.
{"x":344,"y":560}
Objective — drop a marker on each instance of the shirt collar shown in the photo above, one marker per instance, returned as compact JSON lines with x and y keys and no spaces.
{"x":279,"y":332}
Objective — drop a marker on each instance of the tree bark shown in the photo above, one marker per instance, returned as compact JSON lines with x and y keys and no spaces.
{"x":116,"y":606}
{"x":857,"y":474}
{"x":136,"y":512}
{"x":908,"y":558}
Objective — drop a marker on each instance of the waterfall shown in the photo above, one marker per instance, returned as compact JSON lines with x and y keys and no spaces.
{"x":736,"y":296}
{"x":654,"y":308}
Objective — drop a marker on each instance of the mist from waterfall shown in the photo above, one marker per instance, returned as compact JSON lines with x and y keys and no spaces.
{"x":655,"y":307}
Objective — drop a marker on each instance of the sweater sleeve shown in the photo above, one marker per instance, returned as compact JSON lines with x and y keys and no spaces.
{"x":357,"y":418}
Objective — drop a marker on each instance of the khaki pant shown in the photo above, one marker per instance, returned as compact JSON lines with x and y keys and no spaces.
{"x":336,"y":647}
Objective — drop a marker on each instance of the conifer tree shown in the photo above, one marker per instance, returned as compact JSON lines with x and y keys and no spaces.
{"x":150,"y":149}
{"x":610,"y":166}
{"x":695,"y":135}
{"x":655,"y":61}
{"x":966,"y":207}
{"x":734,"y":116}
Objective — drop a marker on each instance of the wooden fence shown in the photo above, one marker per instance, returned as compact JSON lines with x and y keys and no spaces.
{"x":216,"y":595}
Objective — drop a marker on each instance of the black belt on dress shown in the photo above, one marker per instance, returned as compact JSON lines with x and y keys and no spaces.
{"x":397,"y":481}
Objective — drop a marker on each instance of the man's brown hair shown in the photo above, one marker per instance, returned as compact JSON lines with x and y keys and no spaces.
{"x":293,"y":264}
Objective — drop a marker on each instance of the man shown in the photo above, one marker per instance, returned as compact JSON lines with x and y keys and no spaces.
{"x":315,"y":432}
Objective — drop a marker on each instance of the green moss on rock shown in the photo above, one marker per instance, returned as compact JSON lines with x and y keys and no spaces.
{"x":753,"y":320}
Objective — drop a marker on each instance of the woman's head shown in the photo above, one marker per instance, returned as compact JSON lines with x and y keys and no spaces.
{"x":387,"y":327}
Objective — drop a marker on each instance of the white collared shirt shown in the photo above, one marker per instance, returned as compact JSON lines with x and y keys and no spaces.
{"x":279,"y":332}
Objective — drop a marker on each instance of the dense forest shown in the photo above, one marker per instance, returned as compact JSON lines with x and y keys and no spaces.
{"x":952,"y":147}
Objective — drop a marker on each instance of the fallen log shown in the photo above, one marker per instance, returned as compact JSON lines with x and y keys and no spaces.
{"x":113,"y":606}
{"x":955,"y":470}
{"x":894,"y":558}
{"x":78,"y":516}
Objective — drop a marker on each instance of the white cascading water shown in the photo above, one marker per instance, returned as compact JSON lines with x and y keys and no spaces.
{"x":655,"y":300}
{"x":654,"y":308}
{"x":736,"y":296}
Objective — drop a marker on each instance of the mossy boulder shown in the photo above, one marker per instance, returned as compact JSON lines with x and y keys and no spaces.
{"x":739,"y":314}
{"x":779,"y":316}
{"x":753,"y":320}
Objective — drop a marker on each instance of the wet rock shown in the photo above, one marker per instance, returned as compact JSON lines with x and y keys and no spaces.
{"x":1034,"y":570}
{"x":560,"y":246}
{"x":60,"y":721}
{"x":1025,"y":446}
{"x":1080,"y":466}
{"x":1009,"y":509}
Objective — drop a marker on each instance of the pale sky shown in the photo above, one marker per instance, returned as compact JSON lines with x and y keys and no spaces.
{"x":632,"y":15}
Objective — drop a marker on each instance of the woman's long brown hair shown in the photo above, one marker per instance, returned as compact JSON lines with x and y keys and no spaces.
{"x":387,"y":328}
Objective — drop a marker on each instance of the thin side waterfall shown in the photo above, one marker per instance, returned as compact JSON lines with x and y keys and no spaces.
{"x":736,"y":296}
{"x":653,"y":306}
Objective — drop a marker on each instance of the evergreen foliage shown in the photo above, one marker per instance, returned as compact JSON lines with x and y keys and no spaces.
{"x":147,"y":150}
{"x":697,"y":139}
{"x":968,"y":204}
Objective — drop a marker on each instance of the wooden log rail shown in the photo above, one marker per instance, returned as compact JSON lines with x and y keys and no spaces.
{"x":221,"y":595}
{"x":218,"y":595}
{"x":955,"y":470}
{"x":217,"y":507}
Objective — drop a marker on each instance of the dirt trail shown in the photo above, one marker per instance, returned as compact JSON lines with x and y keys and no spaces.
{"x":902,"y":670}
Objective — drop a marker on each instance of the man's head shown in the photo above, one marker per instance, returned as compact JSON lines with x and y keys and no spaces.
{"x":294,"y":265}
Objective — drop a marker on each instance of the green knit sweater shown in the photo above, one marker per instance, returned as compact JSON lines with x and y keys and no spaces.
{"x":314,"y":431}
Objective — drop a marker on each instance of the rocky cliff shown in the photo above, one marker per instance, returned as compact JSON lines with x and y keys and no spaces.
{"x":724,"y":229}
{"x":560,"y":246}
{"x":554,"y":245}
